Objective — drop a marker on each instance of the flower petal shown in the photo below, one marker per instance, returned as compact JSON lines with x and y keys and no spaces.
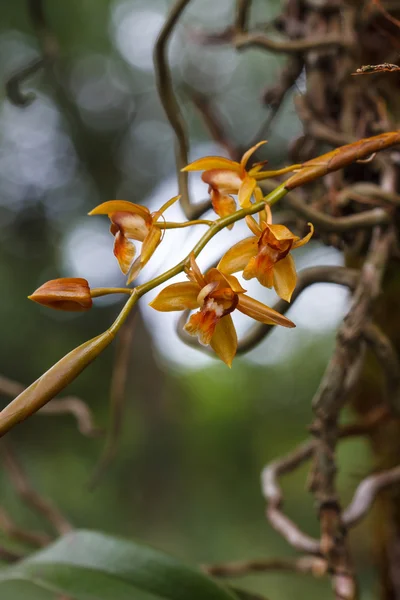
{"x":205,"y":291}
{"x":261,"y":312}
{"x":224,"y":180}
{"x":112,"y":206}
{"x":253,"y":225}
{"x":305,"y":239}
{"x":249,"y":152}
{"x":285,"y":277}
{"x":133,"y":226}
{"x":237,"y":257}
{"x":212,"y":162}
{"x":134,"y":270}
{"x":246,"y":190}
{"x":258,"y":195}
{"x":224,"y":341}
{"x":234,"y":284}
{"x":194,"y":273}
{"x":150,"y":243}
{"x":166,"y":205}
{"x":223,"y":204}
{"x":261,"y":267}
{"x":280,"y":232}
{"x":202,"y":324}
{"x":124,"y":251}
{"x":177,"y":296}
{"x":224,"y":280}
{"x":265,"y":216}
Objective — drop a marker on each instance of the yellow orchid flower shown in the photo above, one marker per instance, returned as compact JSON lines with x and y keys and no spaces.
{"x":67,"y":293}
{"x":131,"y":221}
{"x":217,"y":295}
{"x":226,"y":177}
{"x":266,"y":255}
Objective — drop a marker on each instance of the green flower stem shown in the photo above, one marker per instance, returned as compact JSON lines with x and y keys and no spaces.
{"x":261,"y":175}
{"x":172,"y":225}
{"x":97,"y":292}
{"x":123,"y":315}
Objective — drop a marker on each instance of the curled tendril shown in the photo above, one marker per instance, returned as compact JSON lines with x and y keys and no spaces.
{"x":13,"y":85}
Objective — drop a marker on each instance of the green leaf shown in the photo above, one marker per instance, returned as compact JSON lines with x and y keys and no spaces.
{"x":92,"y":566}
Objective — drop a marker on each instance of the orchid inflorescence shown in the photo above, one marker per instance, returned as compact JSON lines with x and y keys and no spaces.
{"x":216,"y":293}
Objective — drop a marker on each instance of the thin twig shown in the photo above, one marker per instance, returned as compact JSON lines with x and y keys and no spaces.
{"x":117,"y":395}
{"x":271,"y":489}
{"x":172,"y":109}
{"x":366,"y":493}
{"x":304,"y":565}
{"x":9,"y":556}
{"x":386,"y":14}
{"x":370,"y":190}
{"x":214,"y":125}
{"x":273,"y":494}
{"x":242,"y":15}
{"x":29,"y":495}
{"x":75,"y":407}
{"x":364,"y":220}
{"x":368,"y":423}
{"x":14,"y":82}
{"x":50,"y":52}
{"x":323,"y":222}
{"x":274,"y":96}
{"x":307,"y":277}
{"x":387,"y":356}
{"x":288,"y":46}
{"x":33,"y":538}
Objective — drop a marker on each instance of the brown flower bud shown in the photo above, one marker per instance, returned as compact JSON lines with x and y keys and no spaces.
{"x":67,"y":293}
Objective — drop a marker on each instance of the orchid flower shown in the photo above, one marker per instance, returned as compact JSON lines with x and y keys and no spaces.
{"x":131,"y":221}
{"x":216,"y":295}
{"x":226,"y":177}
{"x":266,"y":255}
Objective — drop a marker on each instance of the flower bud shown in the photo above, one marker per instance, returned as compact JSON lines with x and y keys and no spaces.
{"x":71,"y":294}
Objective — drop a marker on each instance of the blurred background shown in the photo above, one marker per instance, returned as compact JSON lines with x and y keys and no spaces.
{"x":195,"y":434}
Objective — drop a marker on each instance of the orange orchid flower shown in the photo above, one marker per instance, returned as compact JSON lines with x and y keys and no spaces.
{"x":217,"y":295}
{"x":67,"y":293}
{"x":226,"y":177}
{"x":266,"y":255}
{"x":131,"y":221}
